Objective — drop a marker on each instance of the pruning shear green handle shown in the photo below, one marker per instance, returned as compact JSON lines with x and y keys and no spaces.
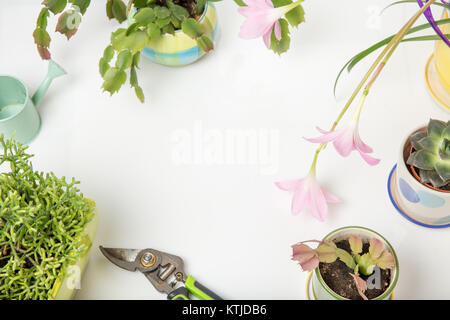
{"x":194,"y":287}
{"x":163,"y":270}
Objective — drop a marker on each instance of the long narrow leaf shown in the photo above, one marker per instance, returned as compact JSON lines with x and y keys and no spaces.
{"x":360,"y":56}
{"x":413,"y":1}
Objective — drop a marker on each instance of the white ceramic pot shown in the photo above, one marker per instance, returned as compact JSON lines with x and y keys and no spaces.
{"x":320,"y":289}
{"x":419,"y":202}
{"x":65,"y":288}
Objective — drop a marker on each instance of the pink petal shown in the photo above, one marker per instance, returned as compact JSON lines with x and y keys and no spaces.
{"x":255,"y":27}
{"x":331,"y":198}
{"x":344,"y":144}
{"x":370,"y":160}
{"x":278,"y":30}
{"x":266,"y":38}
{"x":301,"y":200}
{"x":288,"y":185}
{"x":326,"y":137}
{"x":318,"y":204}
{"x":360,"y":145}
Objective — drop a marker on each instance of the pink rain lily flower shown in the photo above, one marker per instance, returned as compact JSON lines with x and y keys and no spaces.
{"x":346,"y":140}
{"x":308,"y":195}
{"x":262,"y":19}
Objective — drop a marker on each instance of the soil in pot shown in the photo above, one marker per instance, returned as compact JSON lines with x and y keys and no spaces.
{"x":337,"y":276}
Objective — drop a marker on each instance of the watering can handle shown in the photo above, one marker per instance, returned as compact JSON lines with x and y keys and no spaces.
{"x":54,"y":71}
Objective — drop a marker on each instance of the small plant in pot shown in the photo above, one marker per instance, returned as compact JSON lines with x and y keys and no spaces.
{"x":351,"y":263}
{"x":422,"y":175}
{"x":46,"y":230}
{"x":168,"y":32}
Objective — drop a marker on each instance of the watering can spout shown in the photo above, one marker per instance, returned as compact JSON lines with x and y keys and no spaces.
{"x":54,"y":71}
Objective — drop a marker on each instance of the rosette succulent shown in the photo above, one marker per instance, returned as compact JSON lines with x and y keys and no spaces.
{"x":359,"y":262}
{"x":432,"y":153}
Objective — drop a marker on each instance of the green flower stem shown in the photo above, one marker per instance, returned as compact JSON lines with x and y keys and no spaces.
{"x":376,"y":67}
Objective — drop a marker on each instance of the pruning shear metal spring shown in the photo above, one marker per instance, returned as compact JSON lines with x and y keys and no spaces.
{"x":164,"y":271}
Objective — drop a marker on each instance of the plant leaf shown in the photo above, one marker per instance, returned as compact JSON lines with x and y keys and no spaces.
{"x":81,"y":4}
{"x":145,"y":15}
{"x":355,"y":244}
{"x":436,"y":128}
{"x":326,"y":253}
{"x":41,"y":37}
{"x":360,"y":56}
{"x":282,"y":45}
{"x":119,"y":10}
{"x":443,"y":170}
{"x":124,"y":59}
{"x":346,"y":258}
{"x":376,"y":248}
{"x":424,"y":160}
{"x":386,"y":260}
{"x":55,"y":6}
{"x":114,"y":79}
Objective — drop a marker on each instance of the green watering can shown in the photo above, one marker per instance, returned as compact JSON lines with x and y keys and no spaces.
{"x":19,"y":117}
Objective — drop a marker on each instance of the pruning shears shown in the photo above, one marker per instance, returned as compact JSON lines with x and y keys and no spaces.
{"x":164,"y":271}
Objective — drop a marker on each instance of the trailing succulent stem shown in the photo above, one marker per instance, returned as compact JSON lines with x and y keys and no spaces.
{"x":69,"y":12}
{"x":42,"y":224}
{"x":432,"y":153}
{"x":153,"y":18}
{"x":328,"y":252}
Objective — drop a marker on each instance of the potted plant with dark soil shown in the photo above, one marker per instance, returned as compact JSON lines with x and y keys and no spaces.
{"x":351,"y":263}
{"x":419,"y":185}
{"x":46,"y":230}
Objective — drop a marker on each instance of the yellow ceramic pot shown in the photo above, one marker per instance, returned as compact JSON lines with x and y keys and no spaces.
{"x":438,"y":69}
{"x":65,"y":288}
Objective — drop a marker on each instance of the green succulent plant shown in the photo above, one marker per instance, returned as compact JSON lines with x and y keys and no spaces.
{"x":42,"y":226}
{"x":153,"y":19}
{"x":432,"y":153}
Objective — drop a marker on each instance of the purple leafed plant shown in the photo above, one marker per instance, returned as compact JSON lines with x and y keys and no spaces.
{"x":327,"y":252}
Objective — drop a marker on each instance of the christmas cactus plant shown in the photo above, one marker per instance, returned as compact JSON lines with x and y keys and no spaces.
{"x":152,"y":19}
{"x":357,"y":261}
{"x":42,"y":227}
{"x":432,"y":153}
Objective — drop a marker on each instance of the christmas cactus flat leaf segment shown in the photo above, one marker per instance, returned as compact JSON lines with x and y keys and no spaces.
{"x":42,"y":223}
{"x":70,"y":13}
{"x":152,"y":20}
{"x":432,"y":153}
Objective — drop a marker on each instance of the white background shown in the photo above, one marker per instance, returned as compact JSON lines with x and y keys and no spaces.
{"x":231,"y":225}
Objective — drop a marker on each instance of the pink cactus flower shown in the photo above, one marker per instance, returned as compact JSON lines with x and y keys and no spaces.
{"x":308,"y":195}
{"x":346,"y":140}
{"x":262,"y":19}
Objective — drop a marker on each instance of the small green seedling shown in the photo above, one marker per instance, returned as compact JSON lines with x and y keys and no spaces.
{"x":328,"y":252}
